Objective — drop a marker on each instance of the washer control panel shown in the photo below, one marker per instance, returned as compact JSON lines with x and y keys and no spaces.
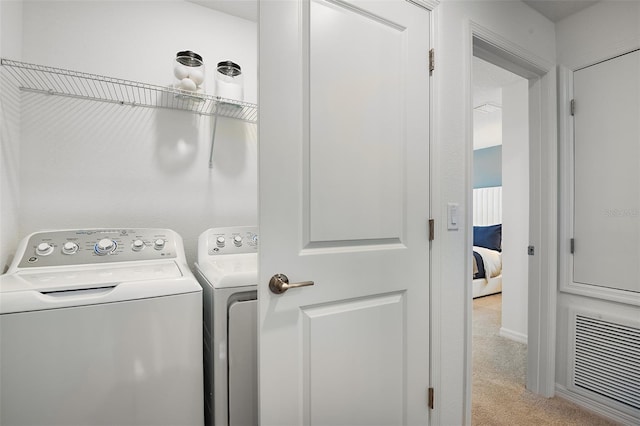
{"x":230,"y":240}
{"x":91,"y":246}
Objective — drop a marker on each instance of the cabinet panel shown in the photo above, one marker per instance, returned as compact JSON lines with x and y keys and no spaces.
{"x":607,"y":174}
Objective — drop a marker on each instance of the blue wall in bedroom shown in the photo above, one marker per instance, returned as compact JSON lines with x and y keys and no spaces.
{"x":487,"y":167}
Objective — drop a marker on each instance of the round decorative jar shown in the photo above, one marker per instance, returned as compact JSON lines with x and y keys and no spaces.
{"x":189,"y":71}
{"x":229,"y":84}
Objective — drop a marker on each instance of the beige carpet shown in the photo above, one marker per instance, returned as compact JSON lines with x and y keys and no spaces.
{"x":499,"y":396}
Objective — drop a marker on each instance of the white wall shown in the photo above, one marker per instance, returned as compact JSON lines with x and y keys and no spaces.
{"x":600,"y":32}
{"x":89,"y":164}
{"x":10,"y":47}
{"x":515,"y":210}
{"x":451,"y":161}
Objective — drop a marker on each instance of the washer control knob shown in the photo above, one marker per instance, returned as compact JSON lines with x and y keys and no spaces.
{"x":158,"y":244}
{"x":44,"y":249}
{"x":237,"y":240}
{"x":220,"y":242}
{"x":137,"y":245}
{"x":69,"y":247}
{"x":104,"y":246}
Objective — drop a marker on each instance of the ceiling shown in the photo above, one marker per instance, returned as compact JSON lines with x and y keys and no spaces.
{"x":488,"y":81}
{"x":246,"y":9}
{"x":557,"y":10}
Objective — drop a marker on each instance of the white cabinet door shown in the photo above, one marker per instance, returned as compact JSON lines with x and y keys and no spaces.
{"x":607,"y":174}
{"x":344,"y":202}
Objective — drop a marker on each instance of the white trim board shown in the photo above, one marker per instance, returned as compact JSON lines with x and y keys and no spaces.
{"x":513,"y":335}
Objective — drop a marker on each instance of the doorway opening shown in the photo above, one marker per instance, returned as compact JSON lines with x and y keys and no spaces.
{"x":501,"y":227}
{"x":540,"y":245}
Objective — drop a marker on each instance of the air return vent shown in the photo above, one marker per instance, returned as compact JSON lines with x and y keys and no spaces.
{"x":606,"y":360}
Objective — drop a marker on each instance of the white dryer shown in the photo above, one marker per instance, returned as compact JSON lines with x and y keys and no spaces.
{"x":101,"y":327}
{"x":227,"y":269}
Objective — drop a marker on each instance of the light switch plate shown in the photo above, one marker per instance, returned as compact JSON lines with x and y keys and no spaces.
{"x":453,"y":216}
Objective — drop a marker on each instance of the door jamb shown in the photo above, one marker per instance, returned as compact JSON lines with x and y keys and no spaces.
{"x":543,"y":220}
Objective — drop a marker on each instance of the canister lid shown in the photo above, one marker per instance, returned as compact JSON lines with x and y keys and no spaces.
{"x":229,"y":68}
{"x":189,"y":58}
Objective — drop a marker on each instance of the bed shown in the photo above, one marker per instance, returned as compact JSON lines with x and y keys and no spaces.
{"x":487,"y":241}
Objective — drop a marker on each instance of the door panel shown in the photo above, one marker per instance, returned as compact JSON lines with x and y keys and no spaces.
{"x":357,"y":63}
{"x":607,"y":174}
{"x":365,"y":358}
{"x":344,"y":201}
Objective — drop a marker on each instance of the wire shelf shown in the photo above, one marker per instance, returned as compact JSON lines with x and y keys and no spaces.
{"x":74,"y":84}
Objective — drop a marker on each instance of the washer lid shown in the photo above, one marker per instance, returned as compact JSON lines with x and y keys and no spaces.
{"x":51,"y":288}
{"x":234,"y":270}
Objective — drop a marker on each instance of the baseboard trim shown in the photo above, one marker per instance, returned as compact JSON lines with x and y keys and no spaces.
{"x":595,"y":407}
{"x":513,"y":335}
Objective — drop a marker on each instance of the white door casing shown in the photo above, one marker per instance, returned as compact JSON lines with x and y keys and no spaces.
{"x":344,"y":201}
{"x":541,"y":297}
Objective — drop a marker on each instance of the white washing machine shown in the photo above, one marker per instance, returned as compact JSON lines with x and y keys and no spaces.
{"x":101,"y":327}
{"x":227,"y":269}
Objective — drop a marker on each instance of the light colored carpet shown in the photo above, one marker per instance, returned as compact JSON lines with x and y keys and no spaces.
{"x":499,"y":396}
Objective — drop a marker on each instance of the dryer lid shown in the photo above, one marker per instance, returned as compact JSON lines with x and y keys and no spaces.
{"x":237,"y":270}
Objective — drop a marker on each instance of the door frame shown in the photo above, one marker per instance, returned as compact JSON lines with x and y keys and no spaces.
{"x":543,"y":192}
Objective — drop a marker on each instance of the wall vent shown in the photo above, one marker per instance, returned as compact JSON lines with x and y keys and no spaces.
{"x":606,"y":360}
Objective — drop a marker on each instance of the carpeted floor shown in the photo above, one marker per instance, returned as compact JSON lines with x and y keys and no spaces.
{"x":499,"y":396}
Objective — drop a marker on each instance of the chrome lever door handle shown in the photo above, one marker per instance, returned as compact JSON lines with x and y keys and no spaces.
{"x":279,"y":283}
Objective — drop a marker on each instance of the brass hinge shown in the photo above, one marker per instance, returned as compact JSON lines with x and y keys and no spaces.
{"x":430,"y":398}
{"x":432,"y":230}
{"x":432,"y":61}
{"x":573,"y":246}
{"x":572,"y":107}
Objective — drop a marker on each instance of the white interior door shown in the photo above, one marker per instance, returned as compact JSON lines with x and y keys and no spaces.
{"x":344,"y":190}
{"x":607,"y":174}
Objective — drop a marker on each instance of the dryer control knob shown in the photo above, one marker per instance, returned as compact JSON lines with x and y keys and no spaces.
{"x":137,"y":245}
{"x":237,"y":240}
{"x":158,"y":244}
{"x":220,"y":242}
{"x":104,"y":246}
{"x":69,"y":247}
{"x":44,"y":249}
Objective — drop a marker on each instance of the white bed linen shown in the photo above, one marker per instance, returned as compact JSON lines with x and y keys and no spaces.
{"x":492,"y":261}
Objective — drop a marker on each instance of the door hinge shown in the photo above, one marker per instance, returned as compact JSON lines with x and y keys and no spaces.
{"x":430,"y":398}
{"x":572,"y":107}
{"x":531,"y":250}
{"x":432,"y":229}
{"x":432,"y":61}
{"x":573,"y":245}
